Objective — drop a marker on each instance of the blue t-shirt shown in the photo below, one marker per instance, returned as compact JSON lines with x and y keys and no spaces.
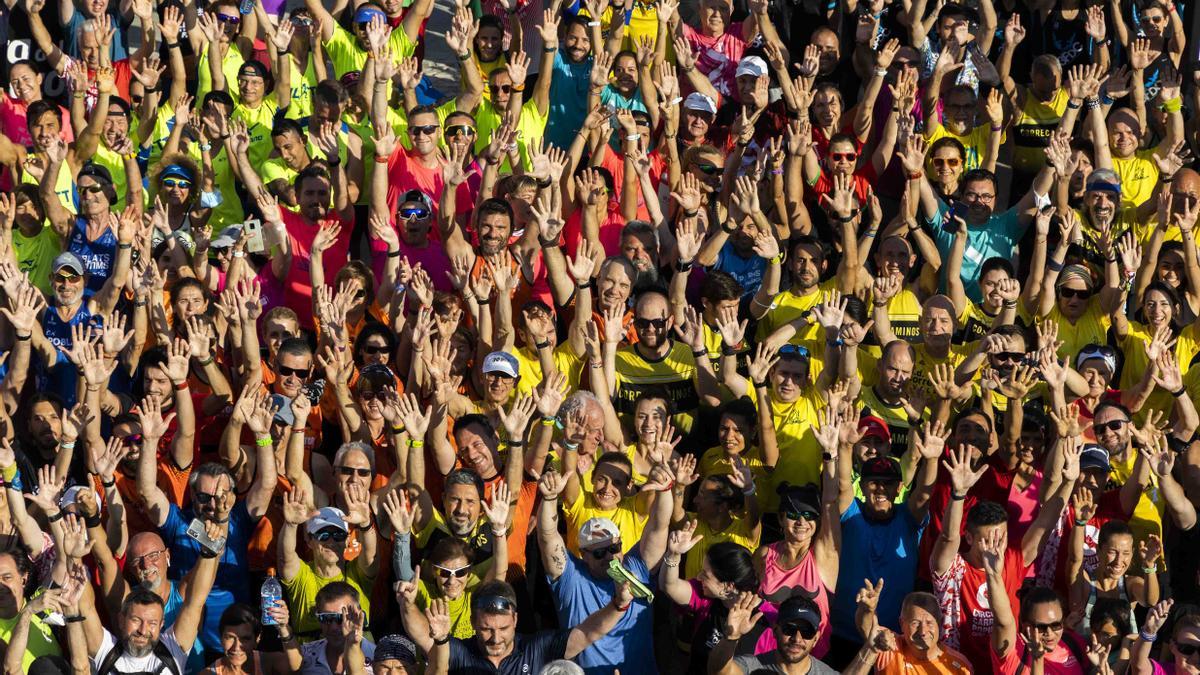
{"x":748,"y":271}
{"x":568,"y":100}
{"x":629,"y":645}
{"x":72,"y":29}
{"x":98,"y":256}
{"x":882,"y":550}
{"x":996,"y":238}
{"x":195,"y":660}
{"x":232,"y":584}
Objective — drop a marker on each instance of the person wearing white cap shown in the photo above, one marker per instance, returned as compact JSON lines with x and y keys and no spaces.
{"x":580,"y":583}
{"x":717,"y":42}
{"x":698,"y":114}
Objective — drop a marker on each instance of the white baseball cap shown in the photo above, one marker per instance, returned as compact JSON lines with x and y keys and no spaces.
{"x":751,"y":65}
{"x":597,"y":532}
{"x":701,"y":102}
{"x":501,"y":362}
{"x":327,"y":516}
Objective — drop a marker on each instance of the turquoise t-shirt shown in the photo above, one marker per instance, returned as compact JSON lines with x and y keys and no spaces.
{"x":997,"y":237}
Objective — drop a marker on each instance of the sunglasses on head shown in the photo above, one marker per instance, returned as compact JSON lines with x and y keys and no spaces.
{"x":810,"y":516}
{"x":643,"y":324}
{"x":331,"y":534}
{"x":794,"y":350}
{"x":427,"y":129}
{"x":1187,"y":651}
{"x":301,"y":373}
{"x":225,"y":18}
{"x":843,"y":156}
{"x":1114,"y":425}
{"x":951,"y":162}
{"x":708,"y":169}
{"x":805,"y":630}
{"x":460,"y":129}
{"x":329,"y":617}
{"x":447,"y":573}
{"x":1081,"y":293}
{"x":91,"y":189}
{"x":604,"y":552}
{"x":177,"y":183}
{"x":492,"y":603}
{"x":419,"y":212}
{"x":351,"y":471}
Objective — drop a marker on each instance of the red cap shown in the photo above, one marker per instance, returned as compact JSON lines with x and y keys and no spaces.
{"x":873,"y":426}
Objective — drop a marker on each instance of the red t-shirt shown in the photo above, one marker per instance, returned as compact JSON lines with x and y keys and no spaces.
{"x":297,"y":287}
{"x":967,"y":618}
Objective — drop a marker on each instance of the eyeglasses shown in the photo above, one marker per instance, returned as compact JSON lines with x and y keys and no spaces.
{"x":351,"y":470}
{"x":810,"y":516}
{"x":332,"y":533}
{"x":225,"y":18}
{"x":149,"y":558}
{"x":492,"y":603}
{"x":1081,"y":293}
{"x":419,"y":213}
{"x":952,"y":162}
{"x":372,"y":350}
{"x":447,"y":573}
{"x":329,"y":617}
{"x":979,"y":197}
{"x":602,"y":553}
{"x":301,"y":373}
{"x":66,"y":278}
{"x":1187,"y":651}
{"x":131,"y":439}
{"x":843,"y":156}
{"x":427,"y":129}
{"x":708,"y":169}
{"x":176,"y":183}
{"x":1052,"y":627}
{"x":1114,"y":425}
{"x":805,"y":630}
{"x":91,"y":189}
{"x":643,"y":324}
{"x":204,"y":497}
{"x":460,"y":129}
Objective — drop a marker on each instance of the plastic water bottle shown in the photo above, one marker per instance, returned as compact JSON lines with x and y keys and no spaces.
{"x":272,"y":592}
{"x":246,"y":7}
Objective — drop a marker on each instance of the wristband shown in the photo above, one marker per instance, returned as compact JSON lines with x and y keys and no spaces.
{"x":1172,"y":106}
{"x":112,"y":482}
{"x":1166,"y":179}
{"x":441,"y":641}
{"x":681,"y":266}
{"x":1180,"y":392}
{"x":542,"y":345}
{"x":92,"y":521}
{"x":418,"y":443}
{"x":181,"y":386}
{"x":956,"y":497}
{"x":286,"y":638}
{"x":381,"y":159}
{"x":826,"y":457}
{"x":915,"y":175}
{"x":633,"y":137}
{"x":622,"y":609}
{"x":67,"y":445}
{"x":759,"y":385}
{"x":592,"y":24}
{"x":24,"y":337}
{"x":206,"y":147}
{"x":1073,"y":105}
{"x":204,"y":362}
{"x":124,"y":247}
{"x":464,"y":57}
{"x":207,"y":554}
{"x":395,"y":254}
{"x":699,"y":352}
{"x":882,"y":72}
{"x":1153,"y":569}
{"x":1105,"y":99}
{"x":57,"y":517}
{"x":728,"y":230}
{"x":1010,"y":304}
{"x":1147,"y":637}
{"x":1079,"y":522}
{"x":671,"y":562}
{"x":997,"y":128}
{"x":1054,"y":266}
{"x":263,"y":442}
{"x":78,"y":618}
{"x":518,"y":87}
{"x":549,"y":420}
{"x":515,"y":444}
{"x":727,"y":350}
{"x":569,"y":446}
{"x":548,"y":48}
{"x":172,"y":45}
{"x":584,"y":285}
{"x":547,"y":243}
{"x":777,"y":259}
{"x":398,"y":430}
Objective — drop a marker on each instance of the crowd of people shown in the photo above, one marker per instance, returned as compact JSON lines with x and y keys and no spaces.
{"x":754,"y":336}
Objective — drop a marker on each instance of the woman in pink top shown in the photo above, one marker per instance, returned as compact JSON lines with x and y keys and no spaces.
{"x":24,"y":87}
{"x":805,"y":562}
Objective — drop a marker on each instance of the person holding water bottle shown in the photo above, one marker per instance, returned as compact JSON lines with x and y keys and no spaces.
{"x":241,"y":630}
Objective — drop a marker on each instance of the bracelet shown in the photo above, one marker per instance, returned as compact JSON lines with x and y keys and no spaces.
{"x":569,"y":446}
{"x":691,"y":214}
{"x":171,"y":45}
{"x":1054,"y":266}
{"x":205,"y":362}
{"x":915,"y":175}
{"x":759,"y":385}
{"x":465,"y":56}
{"x":728,"y":230}
{"x":396,"y":430}
{"x":518,"y":87}
{"x":997,"y":128}
{"x":630,"y":137}
{"x":1167,"y":179}
{"x":264,"y":442}
{"x":549,"y":420}
{"x":515,"y":444}
{"x":57,"y":517}
{"x":882,"y":72}
{"x":595,"y":364}
{"x":585,"y":285}
{"x":1181,"y":392}
{"x":1073,"y":105}
{"x":79,"y":94}
{"x":592,"y":24}
{"x":108,"y":483}
{"x":1153,"y":569}
{"x":1147,"y":637}
{"x":78,"y":618}
{"x":681,"y":266}
{"x":417,"y":443}
{"x":1010,"y":304}
{"x":779,"y":258}
{"x":671,"y":562}
{"x":547,"y":243}
{"x":395,"y":254}
{"x":381,"y":159}
{"x":1172,"y":106}
{"x":1079,"y":522}
{"x":67,"y":445}
{"x":286,"y":638}
{"x":548,"y":49}
{"x":441,"y":641}
{"x":699,"y":352}
{"x":542,"y":345}
{"x":92,"y":521}
{"x":206,"y":147}
{"x":957,"y":498}
{"x":181,"y":386}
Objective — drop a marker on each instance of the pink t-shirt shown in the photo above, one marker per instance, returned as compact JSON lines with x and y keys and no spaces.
{"x":13,"y":114}
{"x":718,"y":57}
{"x":779,"y":584}
{"x":610,"y":230}
{"x":1058,"y":662}
{"x":406,"y":172}
{"x":297,"y":286}
{"x":432,"y":259}
{"x":700,"y":607}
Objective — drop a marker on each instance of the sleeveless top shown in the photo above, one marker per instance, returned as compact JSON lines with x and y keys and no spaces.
{"x":59,"y":377}
{"x":1086,"y":624}
{"x":778,"y":584}
{"x":1035,"y":123}
{"x":98,"y":256}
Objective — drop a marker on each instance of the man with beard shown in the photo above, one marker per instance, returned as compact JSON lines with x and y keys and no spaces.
{"x":796,"y":629}
{"x":887,"y":398}
{"x":341,"y":647}
{"x":349,"y":52}
{"x":493,"y":227}
{"x":580,"y":580}
{"x":919,"y":647}
{"x":807,"y":262}
{"x":142,"y":645}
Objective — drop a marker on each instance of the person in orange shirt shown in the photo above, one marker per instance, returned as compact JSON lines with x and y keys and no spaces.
{"x":919,"y":649}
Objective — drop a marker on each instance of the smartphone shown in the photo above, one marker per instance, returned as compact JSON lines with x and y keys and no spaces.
{"x":618,"y":573}
{"x":196,"y":531}
{"x":254,"y":236}
{"x":957,"y":210}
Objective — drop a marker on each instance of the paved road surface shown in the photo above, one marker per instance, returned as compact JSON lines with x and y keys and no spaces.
{"x":440,"y":65}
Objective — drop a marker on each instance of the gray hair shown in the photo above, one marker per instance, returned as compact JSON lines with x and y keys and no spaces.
{"x":561,"y":667}
{"x":580,"y":399}
{"x":359,"y":446}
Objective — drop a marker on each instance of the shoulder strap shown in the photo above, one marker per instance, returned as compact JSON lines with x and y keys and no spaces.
{"x":110,"y":659}
{"x":164,"y":655}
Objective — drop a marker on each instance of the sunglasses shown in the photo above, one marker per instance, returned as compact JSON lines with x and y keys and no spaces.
{"x":176,"y":183}
{"x":350,"y":470}
{"x":1081,"y":293}
{"x":493,"y":603}
{"x":1009,"y":356}
{"x":369,"y":396}
{"x":602,"y":553}
{"x":91,"y":189}
{"x":460,"y":129}
{"x":810,"y":516}
{"x":843,"y":156}
{"x":329,"y":617}
{"x":643,"y":324}
{"x":301,"y":373}
{"x":904,"y":63}
{"x":66,"y":278}
{"x":497,"y":376}
{"x":204,"y":498}
{"x":708,"y":169}
{"x":372,"y":350}
{"x":447,"y":573}
{"x":805,"y":630}
{"x":1052,"y":627}
{"x":1187,"y":651}
{"x":331,"y":534}
{"x":225,"y":18}
{"x":420,"y":213}
{"x":1114,"y":425}
{"x":794,"y":350}
{"x":952,"y":162}
{"x":427,"y":129}
{"x":131,"y":439}
{"x":502,"y":88}
{"x":301,"y":20}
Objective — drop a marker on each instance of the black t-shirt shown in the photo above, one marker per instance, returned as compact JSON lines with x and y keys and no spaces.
{"x":529,"y":655}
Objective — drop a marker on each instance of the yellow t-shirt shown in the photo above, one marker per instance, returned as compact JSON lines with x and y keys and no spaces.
{"x":975,"y":142}
{"x":64,"y":186}
{"x":925,"y":363}
{"x":460,"y":607}
{"x":788,"y":306}
{"x":675,"y":373}
{"x":1091,"y":328}
{"x":231,"y":63}
{"x":531,"y":125}
{"x":738,"y":532}
{"x":1138,"y":175}
{"x":799,"y":453}
{"x":1147,"y":515}
{"x":259,"y":123}
{"x":714,"y":463}
{"x":975,"y":323}
{"x":904,"y":311}
{"x":41,"y":640}
{"x":1032,"y":128}
{"x":1133,"y":348}
{"x":626,"y":517}
{"x":229,"y":211}
{"x":302,"y":593}
{"x":530,"y":369}
{"x":348,"y":55}
{"x":301,"y":89}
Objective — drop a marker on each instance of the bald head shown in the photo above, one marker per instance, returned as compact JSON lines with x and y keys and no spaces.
{"x":1185,"y":190}
{"x":143,"y":542}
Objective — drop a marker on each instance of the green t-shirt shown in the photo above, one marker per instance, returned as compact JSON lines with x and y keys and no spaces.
{"x":41,"y":640}
{"x":302,"y":593}
{"x":229,"y":211}
{"x":35,"y":255}
{"x":259,"y":122}
{"x":460,"y":607}
{"x":348,"y":55}
{"x":230,"y":66}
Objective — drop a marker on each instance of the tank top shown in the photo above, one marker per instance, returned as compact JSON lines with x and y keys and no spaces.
{"x":778,"y":584}
{"x":1086,"y":625}
{"x":60,"y":376}
{"x":1033,"y":127}
{"x":98,"y":255}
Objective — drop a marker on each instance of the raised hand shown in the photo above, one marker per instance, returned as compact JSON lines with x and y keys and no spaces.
{"x":868,"y":596}
{"x":682,"y":540}
{"x":742,"y":616}
{"x":497,"y":508}
{"x":400,"y":512}
{"x":958,"y":466}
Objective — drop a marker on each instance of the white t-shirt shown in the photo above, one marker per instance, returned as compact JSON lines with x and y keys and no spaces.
{"x":146,"y":664}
